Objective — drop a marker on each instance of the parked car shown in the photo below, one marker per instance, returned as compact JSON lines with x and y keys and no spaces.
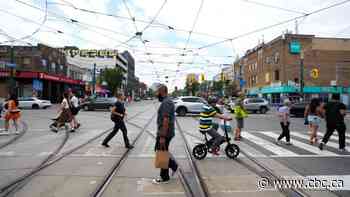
{"x":137,"y":99}
{"x":98,"y":103}
{"x":33,"y":103}
{"x":298,"y":109}
{"x":189,"y":104}
{"x":256,"y":105}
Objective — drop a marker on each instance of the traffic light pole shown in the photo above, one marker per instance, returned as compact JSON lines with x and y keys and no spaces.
{"x":302,"y":73}
{"x":94,"y":79}
{"x":12,"y":80}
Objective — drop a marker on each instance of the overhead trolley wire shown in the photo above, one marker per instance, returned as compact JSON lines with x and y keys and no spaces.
{"x":275,"y":25}
{"x":35,"y":31}
{"x":274,"y":7}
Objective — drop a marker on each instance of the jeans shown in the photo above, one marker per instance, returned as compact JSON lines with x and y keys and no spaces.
{"x":164,"y":173}
{"x":341,"y":128}
{"x":285,"y":132}
{"x":118,"y":125}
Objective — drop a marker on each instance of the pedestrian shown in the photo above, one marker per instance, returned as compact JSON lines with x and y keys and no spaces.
{"x":334,"y":112}
{"x":75,"y":108}
{"x":314,"y":115}
{"x":12,"y":112}
{"x":165,"y":132}
{"x":283,"y":114}
{"x":118,"y":113}
{"x":64,"y":114}
{"x":240,"y":113}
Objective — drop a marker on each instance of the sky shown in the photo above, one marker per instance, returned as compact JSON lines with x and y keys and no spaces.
{"x":166,"y":46}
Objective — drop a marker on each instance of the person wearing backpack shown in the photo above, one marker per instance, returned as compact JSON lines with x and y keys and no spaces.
{"x":12,"y":113}
{"x":75,"y":108}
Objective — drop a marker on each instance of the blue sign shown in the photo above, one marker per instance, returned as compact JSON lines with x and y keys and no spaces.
{"x":242,"y":82}
{"x":11,"y":65}
{"x":37,"y":85}
{"x":294,"y":47}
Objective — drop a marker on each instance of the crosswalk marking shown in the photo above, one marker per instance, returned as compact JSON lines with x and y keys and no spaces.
{"x":302,"y":145}
{"x":268,"y":145}
{"x":329,"y":143}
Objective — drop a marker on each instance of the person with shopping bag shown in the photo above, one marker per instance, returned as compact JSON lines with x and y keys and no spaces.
{"x":165,"y":133}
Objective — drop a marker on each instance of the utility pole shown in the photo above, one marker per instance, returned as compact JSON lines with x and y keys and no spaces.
{"x":12,"y":88}
{"x":94,"y":79}
{"x":302,"y":73}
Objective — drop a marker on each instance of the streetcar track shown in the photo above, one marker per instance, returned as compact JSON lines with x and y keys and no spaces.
{"x":273,"y":175}
{"x":12,"y":140}
{"x":18,"y":183}
{"x":101,"y":188}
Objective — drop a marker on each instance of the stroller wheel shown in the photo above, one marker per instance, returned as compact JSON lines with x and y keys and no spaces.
{"x":232,"y":151}
{"x":199,"y":151}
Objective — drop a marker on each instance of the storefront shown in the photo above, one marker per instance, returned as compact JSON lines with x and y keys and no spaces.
{"x":40,"y":84}
{"x":275,"y":94}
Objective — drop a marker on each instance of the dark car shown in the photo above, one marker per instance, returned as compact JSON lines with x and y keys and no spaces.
{"x":298,"y":109}
{"x":98,"y":103}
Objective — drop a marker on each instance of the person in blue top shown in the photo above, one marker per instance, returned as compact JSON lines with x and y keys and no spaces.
{"x":206,"y":124}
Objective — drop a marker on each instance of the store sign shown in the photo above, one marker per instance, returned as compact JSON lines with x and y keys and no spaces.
{"x":294,"y":47}
{"x":37,"y":85}
{"x":314,"y":73}
{"x":91,"y":53}
{"x":60,"y":79}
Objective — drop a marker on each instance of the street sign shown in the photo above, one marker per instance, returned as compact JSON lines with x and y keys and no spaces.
{"x":314,"y":73}
{"x":294,"y":47}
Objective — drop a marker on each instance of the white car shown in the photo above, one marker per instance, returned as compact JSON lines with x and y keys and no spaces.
{"x":33,"y":103}
{"x":189,"y":104}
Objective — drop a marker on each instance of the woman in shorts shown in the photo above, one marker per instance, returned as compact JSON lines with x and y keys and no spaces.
{"x":314,"y":118}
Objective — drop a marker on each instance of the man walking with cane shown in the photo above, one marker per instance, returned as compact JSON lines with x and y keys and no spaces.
{"x":117,"y":115}
{"x":165,"y":131}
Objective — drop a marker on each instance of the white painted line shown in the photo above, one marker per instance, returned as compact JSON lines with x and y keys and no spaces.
{"x":329,"y":143}
{"x":310,"y":148}
{"x":268,"y":145}
{"x":8,"y":153}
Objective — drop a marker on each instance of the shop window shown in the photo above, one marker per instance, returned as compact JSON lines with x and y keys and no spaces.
{"x":26,"y":60}
{"x":277,"y":75}
{"x":267,"y":77}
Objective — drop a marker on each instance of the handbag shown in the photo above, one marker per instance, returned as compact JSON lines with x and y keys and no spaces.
{"x":162,"y":159}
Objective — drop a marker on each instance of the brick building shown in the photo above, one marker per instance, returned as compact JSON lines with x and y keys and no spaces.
{"x":272,"y":69}
{"x":40,"y":68}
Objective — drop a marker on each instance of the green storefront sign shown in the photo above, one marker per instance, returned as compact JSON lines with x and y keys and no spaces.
{"x":293,"y":89}
{"x":294,"y":47}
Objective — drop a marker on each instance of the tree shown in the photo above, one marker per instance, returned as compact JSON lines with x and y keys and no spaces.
{"x":113,"y":77}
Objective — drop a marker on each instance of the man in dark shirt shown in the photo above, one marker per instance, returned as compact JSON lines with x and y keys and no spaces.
{"x":334,"y":112}
{"x":117,"y":115}
{"x":165,"y":131}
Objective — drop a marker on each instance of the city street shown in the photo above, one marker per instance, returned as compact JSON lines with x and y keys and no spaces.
{"x":77,"y":163}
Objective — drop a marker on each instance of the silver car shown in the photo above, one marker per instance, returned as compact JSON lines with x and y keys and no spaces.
{"x":256,"y":105}
{"x":189,"y":104}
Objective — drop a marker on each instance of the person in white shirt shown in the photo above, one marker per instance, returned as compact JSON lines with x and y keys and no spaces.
{"x":74,"y":109}
{"x":283,"y":114}
{"x":65,"y":114}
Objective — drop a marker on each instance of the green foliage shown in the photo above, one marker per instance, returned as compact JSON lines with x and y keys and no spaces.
{"x":113,"y":77}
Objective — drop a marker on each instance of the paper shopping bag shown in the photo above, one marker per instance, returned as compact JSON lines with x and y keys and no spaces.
{"x":162,"y":159}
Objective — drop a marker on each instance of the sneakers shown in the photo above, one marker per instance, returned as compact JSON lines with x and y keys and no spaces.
{"x":289,"y":143}
{"x":321,"y":146}
{"x":159,"y":181}
{"x":342,"y":150}
{"x":72,"y":130}
{"x":105,"y":145}
{"x":277,"y":142}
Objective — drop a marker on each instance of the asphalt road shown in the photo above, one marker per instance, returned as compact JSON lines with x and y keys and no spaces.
{"x":79,"y":173}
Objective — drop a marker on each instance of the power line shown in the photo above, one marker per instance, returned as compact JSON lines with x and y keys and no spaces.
{"x":155,"y":16}
{"x":275,"y":25}
{"x":34,"y":32}
{"x":274,"y":7}
{"x":194,"y":24}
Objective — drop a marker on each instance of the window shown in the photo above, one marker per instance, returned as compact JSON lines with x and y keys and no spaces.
{"x":277,"y":75}
{"x":267,"y":77}
{"x":26,"y":60}
{"x":192,"y":100}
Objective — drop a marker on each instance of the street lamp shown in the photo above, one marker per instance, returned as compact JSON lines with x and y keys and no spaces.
{"x":302,"y":73}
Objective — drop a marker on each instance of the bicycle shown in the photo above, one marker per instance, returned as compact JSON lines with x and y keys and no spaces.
{"x":201,"y":150}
